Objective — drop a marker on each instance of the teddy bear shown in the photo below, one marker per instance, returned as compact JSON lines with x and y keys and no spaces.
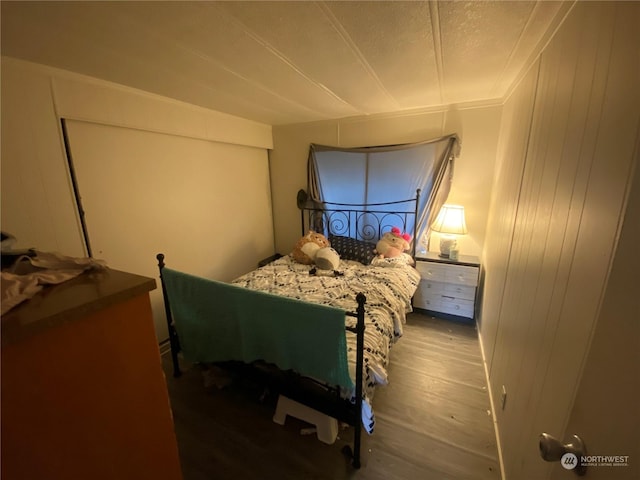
{"x":393,"y":243}
{"x":307,"y":247}
{"x":314,"y":249}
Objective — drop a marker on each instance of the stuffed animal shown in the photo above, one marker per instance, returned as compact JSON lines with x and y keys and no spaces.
{"x":393,"y":243}
{"x":306,"y":248}
{"x":327,"y":259}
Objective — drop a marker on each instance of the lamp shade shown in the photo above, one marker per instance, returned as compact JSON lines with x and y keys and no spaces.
{"x":450,"y":220}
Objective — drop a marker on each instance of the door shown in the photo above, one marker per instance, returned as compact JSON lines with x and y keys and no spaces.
{"x":205,"y":205}
{"x":606,"y":412}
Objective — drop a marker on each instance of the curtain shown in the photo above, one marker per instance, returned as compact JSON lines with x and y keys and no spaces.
{"x":366,"y":175}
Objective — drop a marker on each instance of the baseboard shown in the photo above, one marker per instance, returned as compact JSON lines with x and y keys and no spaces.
{"x":493,"y":407}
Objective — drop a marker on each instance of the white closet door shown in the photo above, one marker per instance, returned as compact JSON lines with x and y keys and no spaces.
{"x":205,"y":205}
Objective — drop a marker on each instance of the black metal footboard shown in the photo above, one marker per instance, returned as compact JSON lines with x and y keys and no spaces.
{"x":290,"y":384}
{"x":173,"y":335}
{"x":357,"y":421}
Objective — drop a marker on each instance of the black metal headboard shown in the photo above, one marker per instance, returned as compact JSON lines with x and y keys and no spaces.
{"x":361,"y":221}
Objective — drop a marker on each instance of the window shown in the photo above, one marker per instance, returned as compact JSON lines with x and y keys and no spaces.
{"x":373,"y":175}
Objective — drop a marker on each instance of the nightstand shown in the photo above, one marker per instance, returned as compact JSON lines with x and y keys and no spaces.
{"x":448,"y":287}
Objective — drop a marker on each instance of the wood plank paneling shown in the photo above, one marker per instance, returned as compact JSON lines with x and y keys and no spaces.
{"x":516,"y":121}
{"x":569,"y":202}
{"x":432,"y":420}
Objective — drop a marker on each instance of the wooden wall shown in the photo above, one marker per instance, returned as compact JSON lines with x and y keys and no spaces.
{"x":565,"y":161}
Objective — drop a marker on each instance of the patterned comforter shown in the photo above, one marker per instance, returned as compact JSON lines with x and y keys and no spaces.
{"x":388,"y":286}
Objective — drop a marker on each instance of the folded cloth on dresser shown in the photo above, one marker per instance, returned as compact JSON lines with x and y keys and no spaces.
{"x":29,"y":275}
{"x":218,"y":321}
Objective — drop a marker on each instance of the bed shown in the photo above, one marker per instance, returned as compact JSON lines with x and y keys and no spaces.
{"x":321,"y":339}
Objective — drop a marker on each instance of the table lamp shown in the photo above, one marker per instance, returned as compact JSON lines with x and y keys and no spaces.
{"x":450,"y":223}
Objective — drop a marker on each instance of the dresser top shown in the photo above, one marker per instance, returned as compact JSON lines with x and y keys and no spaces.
{"x":470,"y":260}
{"x":58,"y":304}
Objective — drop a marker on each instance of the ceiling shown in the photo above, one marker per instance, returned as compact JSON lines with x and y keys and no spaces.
{"x":291,"y":61}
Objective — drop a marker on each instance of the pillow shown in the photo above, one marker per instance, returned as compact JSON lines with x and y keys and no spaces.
{"x":353,"y":249}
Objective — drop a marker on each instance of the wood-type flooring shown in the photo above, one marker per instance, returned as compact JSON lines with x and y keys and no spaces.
{"x":433,"y":420}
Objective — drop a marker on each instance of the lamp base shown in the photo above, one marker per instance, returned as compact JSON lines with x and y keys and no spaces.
{"x":446,"y":244}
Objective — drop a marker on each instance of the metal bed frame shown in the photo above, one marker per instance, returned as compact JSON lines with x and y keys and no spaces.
{"x":362,"y":222}
{"x":329,"y":219}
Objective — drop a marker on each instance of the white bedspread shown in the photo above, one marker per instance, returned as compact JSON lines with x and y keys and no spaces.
{"x":388,"y":287}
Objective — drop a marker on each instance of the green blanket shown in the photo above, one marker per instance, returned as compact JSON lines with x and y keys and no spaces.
{"x":217,"y":321}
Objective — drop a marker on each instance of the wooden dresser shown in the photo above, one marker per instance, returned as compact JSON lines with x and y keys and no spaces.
{"x":83,"y":391}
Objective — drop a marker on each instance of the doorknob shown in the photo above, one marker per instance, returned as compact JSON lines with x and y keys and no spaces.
{"x":568,"y":454}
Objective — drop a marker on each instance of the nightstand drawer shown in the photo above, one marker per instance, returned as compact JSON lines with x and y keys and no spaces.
{"x":449,"y":289}
{"x":462,"y":309}
{"x":443,"y":303}
{"x":448,"y":273}
{"x":432,"y":271}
